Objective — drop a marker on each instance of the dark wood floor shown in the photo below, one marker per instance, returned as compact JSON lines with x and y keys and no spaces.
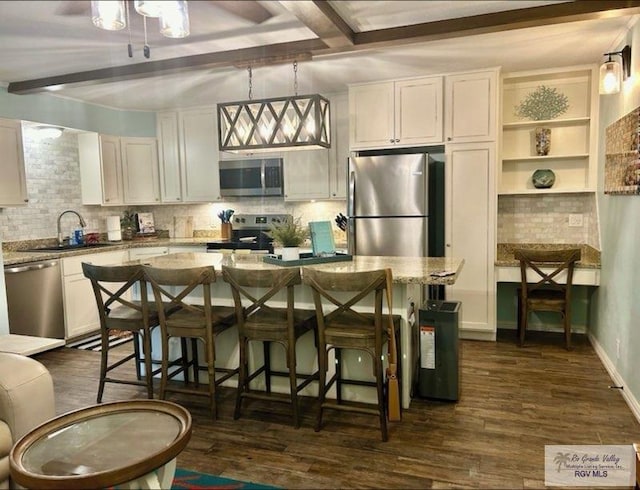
{"x":514,"y":401}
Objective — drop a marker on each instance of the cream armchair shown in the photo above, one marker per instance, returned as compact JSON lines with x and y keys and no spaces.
{"x":26,"y":400}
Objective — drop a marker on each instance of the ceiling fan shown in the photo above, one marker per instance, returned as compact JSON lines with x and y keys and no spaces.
{"x":250,"y":10}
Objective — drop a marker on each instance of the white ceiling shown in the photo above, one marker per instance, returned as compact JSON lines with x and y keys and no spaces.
{"x":37,"y":41}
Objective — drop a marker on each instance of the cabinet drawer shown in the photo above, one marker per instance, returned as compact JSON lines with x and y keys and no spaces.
{"x":73,"y":265}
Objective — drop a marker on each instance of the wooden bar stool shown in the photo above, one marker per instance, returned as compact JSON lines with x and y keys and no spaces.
{"x":542,"y":291}
{"x":113,"y":290}
{"x":259,"y":319}
{"x":190,"y":321}
{"x":341,"y":327}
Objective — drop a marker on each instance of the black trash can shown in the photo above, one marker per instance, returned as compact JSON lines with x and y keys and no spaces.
{"x":438,"y":359}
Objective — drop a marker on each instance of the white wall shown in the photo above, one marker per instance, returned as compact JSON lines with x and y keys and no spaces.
{"x":616,"y":306}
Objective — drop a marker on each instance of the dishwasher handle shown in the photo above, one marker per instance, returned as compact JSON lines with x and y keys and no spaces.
{"x":30,"y":267}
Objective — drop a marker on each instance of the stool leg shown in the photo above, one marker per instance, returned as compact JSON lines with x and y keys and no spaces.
{"x":209,"y":349}
{"x":184,"y":360}
{"x":381,"y":398}
{"x":293,"y":382}
{"x":195,"y":362}
{"x":338,"y":353}
{"x":266,"y":348}
{"x":165,"y":365}
{"x":323,"y":361}
{"x":136,"y":352}
{"x":104,"y":340}
{"x":146,"y":348}
{"x":242,"y":376}
{"x":567,"y":329}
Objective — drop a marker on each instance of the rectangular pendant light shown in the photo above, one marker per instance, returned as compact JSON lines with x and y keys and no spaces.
{"x":299,"y":122}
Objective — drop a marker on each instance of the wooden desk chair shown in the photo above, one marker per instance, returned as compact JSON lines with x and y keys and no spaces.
{"x":189,"y":321}
{"x":260,"y":319}
{"x":345,"y":328}
{"x":112,"y":286}
{"x":542,"y":291}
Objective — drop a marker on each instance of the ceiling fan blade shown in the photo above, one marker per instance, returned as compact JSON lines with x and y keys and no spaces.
{"x":73,"y":7}
{"x":249,"y":10}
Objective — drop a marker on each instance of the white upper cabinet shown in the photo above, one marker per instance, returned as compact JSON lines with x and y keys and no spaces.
{"x":321,"y":174}
{"x":395,"y":114}
{"x":169,"y":157}
{"x":198,"y":155}
{"x":470,"y":108}
{"x":306,"y":175}
{"x":573,"y":152}
{"x":339,"y":154}
{"x":188,"y":142}
{"x":13,"y":183}
{"x":100,"y":169}
{"x":141,"y":180}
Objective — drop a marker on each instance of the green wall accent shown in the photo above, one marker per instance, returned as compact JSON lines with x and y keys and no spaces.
{"x":59,"y":111}
{"x":507,"y":305}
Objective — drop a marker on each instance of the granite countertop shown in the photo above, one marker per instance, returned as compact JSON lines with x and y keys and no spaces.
{"x":505,"y":258}
{"x":14,"y":257}
{"x":406,"y":270}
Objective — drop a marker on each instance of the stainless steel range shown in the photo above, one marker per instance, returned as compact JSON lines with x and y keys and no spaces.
{"x":249,"y":233}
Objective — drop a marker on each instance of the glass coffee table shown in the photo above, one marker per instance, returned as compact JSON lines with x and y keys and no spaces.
{"x":128,"y":444}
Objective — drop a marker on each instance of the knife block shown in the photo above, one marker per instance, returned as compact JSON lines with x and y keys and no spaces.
{"x":225,"y":231}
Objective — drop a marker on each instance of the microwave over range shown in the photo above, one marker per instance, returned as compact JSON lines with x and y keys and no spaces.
{"x":251,"y":177}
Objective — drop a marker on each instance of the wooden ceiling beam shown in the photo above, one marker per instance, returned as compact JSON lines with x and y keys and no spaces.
{"x":578,"y":10}
{"x":220,"y":59}
{"x":322,"y":20}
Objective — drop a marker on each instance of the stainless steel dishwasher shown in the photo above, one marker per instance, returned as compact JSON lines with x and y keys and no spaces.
{"x":34,"y":299}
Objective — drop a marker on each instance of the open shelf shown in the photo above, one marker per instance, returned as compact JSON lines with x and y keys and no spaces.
{"x":573,"y":136}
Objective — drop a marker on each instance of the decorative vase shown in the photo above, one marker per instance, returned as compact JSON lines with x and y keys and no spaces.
{"x":290,"y":253}
{"x":543,"y":178}
{"x":225,"y":231}
{"x":543,"y":141}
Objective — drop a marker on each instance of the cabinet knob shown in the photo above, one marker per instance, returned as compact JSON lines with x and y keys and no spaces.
{"x":26,"y":200}
{"x":177,"y":198}
{"x":391,"y":140}
{"x":397,"y":141}
{"x":448,"y":245}
{"x":449,"y":138}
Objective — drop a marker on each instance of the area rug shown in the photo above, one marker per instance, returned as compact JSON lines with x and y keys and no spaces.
{"x":94,"y":342}
{"x":193,"y":480}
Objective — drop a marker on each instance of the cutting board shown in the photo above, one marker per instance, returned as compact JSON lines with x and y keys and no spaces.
{"x":183,"y":226}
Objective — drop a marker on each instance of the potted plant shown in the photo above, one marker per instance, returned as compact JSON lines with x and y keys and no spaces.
{"x":128,"y":224}
{"x":289,"y":235}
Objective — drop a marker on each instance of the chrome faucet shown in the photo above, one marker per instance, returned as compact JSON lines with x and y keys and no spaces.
{"x":83,"y":223}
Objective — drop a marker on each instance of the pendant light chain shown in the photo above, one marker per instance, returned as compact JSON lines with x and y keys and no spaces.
{"x":295,"y":78}
{"x":130,"y":45}
{"x":250,"y":82}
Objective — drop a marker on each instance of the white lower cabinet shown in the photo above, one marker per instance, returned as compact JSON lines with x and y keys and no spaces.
{"x":80,"y":309}
{"x":470,"y":234}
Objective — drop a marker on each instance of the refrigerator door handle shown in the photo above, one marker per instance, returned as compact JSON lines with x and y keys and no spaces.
{"x":351,"y":230}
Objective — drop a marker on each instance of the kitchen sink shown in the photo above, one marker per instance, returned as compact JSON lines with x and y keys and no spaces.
{"x":65,"y":248}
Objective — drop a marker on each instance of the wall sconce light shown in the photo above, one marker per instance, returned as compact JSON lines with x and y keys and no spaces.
{"x":612,"y":74}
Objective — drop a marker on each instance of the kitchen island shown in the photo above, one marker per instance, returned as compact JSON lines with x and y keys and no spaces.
{"x":410,"y":274}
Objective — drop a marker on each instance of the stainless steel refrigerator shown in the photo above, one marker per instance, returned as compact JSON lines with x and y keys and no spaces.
{"x":388,"y":205}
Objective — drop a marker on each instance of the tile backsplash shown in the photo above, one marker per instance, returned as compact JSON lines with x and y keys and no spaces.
{"x":53,"y":185}
{"x":545,"y":219}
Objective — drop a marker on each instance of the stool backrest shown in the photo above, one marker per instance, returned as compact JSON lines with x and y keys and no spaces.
{"x":361,"y":284}
{"x":245,"y":284}
{"x":535,"y":260}
{"x":122,"y":279}
{"x":171,"y":288}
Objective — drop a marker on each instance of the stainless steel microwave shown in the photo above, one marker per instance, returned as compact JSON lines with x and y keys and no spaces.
{"x":251,"y":177}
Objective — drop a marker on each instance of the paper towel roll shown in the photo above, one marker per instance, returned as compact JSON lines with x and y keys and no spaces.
{"x":113,"y":223}
{"x":113,"y":229}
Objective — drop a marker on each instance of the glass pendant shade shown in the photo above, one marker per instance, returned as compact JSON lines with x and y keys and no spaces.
{"x":298,"y":122}
{"x":610,"y":77}
{"x":174,"y":20}
{"x":108,"y":14}
{"x":149,"y":8}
